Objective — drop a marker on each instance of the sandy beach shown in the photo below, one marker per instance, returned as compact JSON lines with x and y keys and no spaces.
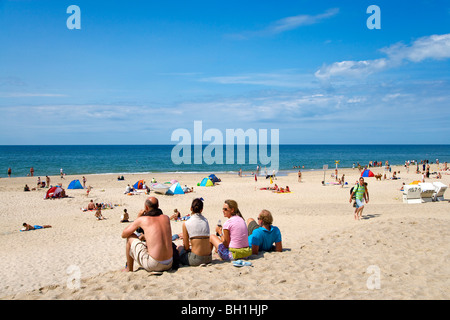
{"x":327,"y":253}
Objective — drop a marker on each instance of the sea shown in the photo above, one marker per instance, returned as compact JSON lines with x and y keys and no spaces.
{"x":126,"y":159}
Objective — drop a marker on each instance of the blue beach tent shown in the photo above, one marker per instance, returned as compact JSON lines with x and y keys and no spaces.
{"x":213,"y":178}
{"x":175,"y":189}
{"x":75,"y":184}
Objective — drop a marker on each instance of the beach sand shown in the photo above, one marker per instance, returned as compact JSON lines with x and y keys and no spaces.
{"x":327,"y":254}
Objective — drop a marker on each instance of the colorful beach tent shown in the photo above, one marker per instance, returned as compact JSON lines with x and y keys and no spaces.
{"x":175,"y":189}
{"x":206,"y":182}
{"x":75,"y":184}
{"x":53,"y":192}
{"x":367,"y":173}
{"x":139,"y":184}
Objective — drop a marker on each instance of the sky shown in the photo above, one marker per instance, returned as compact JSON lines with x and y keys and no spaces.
{"x":136,"y":71}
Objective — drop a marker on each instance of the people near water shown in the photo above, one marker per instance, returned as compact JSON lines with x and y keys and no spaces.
{"x":361,"y":194}
{"x":27,"y":227}
{"x":232,"y":242}
{"x":299,"y":176}
{"x":156,"y":252}
{"x":196,"y":249}
{"x":262,"y":235}
{"x":47,"y":180}
{"x":125,"y":216}
{"x":41,"y":184}
{"x":9,"y":172}
{"x":120,"y":178}
{"x":26,"y":188}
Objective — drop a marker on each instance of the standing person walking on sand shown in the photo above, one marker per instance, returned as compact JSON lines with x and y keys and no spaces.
{"x":361,"y":193}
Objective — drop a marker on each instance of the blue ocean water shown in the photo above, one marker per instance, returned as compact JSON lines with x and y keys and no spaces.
{"x":115,"y":159}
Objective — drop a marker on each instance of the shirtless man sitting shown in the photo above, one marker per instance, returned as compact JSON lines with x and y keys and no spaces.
{"x":155,"y":253}
{"x":91,"y":205}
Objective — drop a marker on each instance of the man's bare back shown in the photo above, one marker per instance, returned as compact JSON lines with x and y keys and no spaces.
{"x":158,"y":235}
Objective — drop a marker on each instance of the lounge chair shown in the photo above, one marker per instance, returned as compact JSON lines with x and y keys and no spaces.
{"x":411,"y":194}
{"x":440,"y":190}
{"x":428,"y":191}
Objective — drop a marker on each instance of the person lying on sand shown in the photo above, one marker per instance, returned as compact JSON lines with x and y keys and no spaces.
{"x":27,"y":227}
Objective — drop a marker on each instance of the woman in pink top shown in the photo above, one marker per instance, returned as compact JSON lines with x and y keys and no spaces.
{"x":232,"y":242}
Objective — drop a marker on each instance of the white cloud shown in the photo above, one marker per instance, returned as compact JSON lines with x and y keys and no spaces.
{"x":287,"y":24}
{"x":429,"y":47}
{"x":435,"y":47}
{"x":276,"y":79}
{"x":294,"y":22}
{"x":352,"y":68}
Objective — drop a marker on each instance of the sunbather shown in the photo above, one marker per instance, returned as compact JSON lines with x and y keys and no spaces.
{"x":262,"y":235}
{"x":196,"y":249}
{"x":27,"y":227}
{"x":232,"y":242}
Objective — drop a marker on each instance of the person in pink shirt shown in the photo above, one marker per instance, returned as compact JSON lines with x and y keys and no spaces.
{"x":232,"y":241}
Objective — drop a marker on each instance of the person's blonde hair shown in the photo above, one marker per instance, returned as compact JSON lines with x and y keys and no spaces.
{"x":233,"y":205}
{"x":266,"y":217}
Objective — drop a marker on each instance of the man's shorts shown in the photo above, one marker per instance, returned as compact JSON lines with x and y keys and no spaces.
{"x":359,"y":203}
{"x":139,"y":252}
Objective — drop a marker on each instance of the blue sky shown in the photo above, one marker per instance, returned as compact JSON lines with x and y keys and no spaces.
{"x":138,"y":70}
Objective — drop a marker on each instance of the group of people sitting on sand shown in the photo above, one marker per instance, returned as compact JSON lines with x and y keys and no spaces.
{"x":152,"y":247}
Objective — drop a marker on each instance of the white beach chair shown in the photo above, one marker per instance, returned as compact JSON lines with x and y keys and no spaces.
{"x":428,"y":190}
{"x":411,"y":194}
{"x":439,"y":191}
